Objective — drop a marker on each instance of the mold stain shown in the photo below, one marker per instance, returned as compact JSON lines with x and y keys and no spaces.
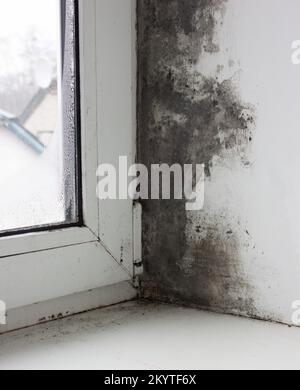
{"x":186,"y":117}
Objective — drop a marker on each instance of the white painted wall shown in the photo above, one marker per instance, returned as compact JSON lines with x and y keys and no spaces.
{"x":262,"y":203}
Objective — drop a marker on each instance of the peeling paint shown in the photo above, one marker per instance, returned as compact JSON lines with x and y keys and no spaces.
{"x":185,"y":116}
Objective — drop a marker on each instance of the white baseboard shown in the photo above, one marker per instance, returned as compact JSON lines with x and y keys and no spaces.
{"x":69,"y":305}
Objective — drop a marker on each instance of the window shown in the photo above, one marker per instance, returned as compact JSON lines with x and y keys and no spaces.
{"x":66,"y":241}
{"x":39,"y":136}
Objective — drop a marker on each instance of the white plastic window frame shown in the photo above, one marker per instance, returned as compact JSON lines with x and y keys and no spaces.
{"x":38,"y":267}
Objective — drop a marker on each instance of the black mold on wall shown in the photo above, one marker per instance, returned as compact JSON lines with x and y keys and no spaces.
{"x":180,"y":115}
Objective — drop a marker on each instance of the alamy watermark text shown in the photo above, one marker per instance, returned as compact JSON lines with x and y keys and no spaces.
{"x":160,"y":182}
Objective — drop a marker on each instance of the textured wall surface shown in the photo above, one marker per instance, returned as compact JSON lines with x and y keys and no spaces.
{"x":207,"y":95}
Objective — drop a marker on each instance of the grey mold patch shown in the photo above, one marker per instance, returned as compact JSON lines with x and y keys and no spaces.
{"x":181,"y":114}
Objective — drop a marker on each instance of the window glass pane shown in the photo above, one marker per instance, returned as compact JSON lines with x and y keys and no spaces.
{"x":38,"y":132}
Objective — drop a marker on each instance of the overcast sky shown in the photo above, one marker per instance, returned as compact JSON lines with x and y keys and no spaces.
{"x":20,"y":21}
{"x":17,"y":16}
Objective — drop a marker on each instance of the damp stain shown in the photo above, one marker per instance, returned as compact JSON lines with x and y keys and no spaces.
{"x":186,"y":117}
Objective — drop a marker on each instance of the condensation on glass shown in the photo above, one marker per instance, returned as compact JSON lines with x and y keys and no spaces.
{"x":38,"y":114}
